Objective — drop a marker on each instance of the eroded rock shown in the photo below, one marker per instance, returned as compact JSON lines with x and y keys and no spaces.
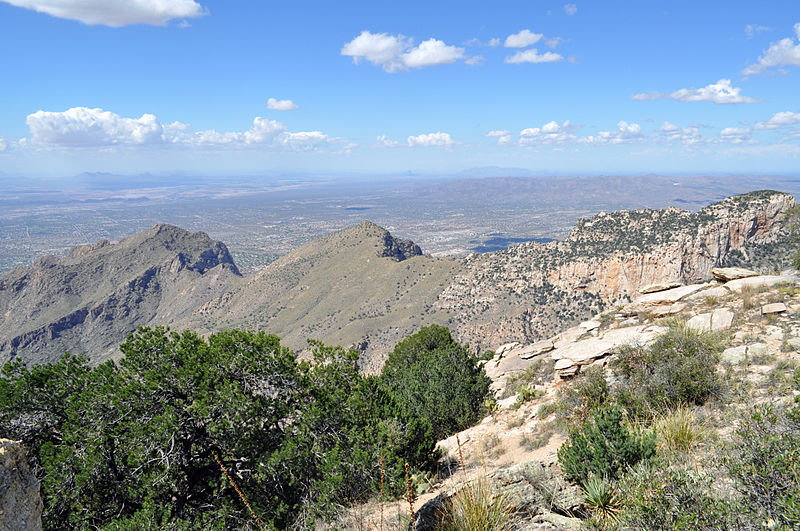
{"x":726,"y":274}
{"x":20,"y":501}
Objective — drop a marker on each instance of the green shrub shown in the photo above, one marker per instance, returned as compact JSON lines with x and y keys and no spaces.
{"x":678,"y":369}
{"x":604,"y":447}
{"x":434,"y":379}
{"x":658,"y":498}
{"x":765,"y":463}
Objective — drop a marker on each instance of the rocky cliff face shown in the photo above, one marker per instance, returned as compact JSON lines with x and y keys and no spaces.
{"x":532,"y":289}
{"x":91,"y":299}
{"x":20,"y":501}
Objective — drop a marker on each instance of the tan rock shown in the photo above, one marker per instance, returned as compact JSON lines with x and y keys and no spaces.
{"x":661,"y":311}
{"x":716,"y":321}
{"x":718,"y":292}
{"x":661,"y":286}
{"x":530,"y":351}
{"x":670,"y":296}
{"x":758,"y":282}
{"x":564,"y":363}
{"x":775,"y":307}
{"x":726,"y":274}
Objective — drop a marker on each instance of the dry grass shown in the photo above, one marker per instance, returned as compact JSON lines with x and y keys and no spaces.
{"x":477,"y":507}
{"x":680,"y":431}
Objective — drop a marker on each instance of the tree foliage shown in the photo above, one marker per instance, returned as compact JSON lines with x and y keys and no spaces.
{"x":121,"y":445}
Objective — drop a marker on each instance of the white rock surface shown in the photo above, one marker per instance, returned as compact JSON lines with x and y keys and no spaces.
{"x":671,"y":295}
{"x":661,"y":286}
{"x":757,"y":282}
{"x":775,"y":307}
{"x":726,"y":274}
{"x":735,"y":354}
{"x":716,"y":321}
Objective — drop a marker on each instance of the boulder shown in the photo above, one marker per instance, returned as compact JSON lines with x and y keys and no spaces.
{"x":716,"y":321}
{"x":718,"y":292}
{"x":662,"y":311}
{"x":671,"y":295}
{"x":726,"y":274}
{"x":735,"y":355}
{"x":775,"y":307}
{"x":757,"y":349}
{"x":662,"y":286}
{"x":20,"y":501}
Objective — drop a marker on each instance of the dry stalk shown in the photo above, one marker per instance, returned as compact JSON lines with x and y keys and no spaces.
{"x":382,"y":474}
{"x":410,"y":498}
{"x":461,"y":457}
{"x":239,"y":492}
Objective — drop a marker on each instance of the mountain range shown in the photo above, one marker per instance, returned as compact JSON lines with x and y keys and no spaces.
{"x":361,"y":286}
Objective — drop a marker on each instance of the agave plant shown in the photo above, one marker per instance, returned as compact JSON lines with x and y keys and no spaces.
{"x":602,"y":499}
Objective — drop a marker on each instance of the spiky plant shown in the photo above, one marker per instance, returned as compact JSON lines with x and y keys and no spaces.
{"x":602,"y":499}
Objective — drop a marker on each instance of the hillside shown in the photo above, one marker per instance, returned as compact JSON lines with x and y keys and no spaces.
{"x":91,"y":299}
{"x":361,"y":286}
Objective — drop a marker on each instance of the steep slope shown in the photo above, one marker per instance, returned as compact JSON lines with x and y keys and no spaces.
{"x":89,"y":300}
{"x":533,"y":289}
{"x":356,"y":286}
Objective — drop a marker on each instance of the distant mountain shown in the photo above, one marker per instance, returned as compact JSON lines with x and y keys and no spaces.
{"x":91,"y":299}
{"x":361,"y":286}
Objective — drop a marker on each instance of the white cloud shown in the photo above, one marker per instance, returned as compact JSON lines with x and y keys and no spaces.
{"x":570,"y":9}
{"x":553,"y":42}
{"x":396,"y":53}
{"x":778,"y":120}
{"x":721,"y":92}
{"x":385,"y":141}
{"x":751,"y":29}
{"x":625,"y":134}
{"x":494,"y":42}
{"x":735,"y":135}
{"x":550,"y":133}
{"x":522,"y":39}
{"x":432,"y":52}
{"x":688,"y":136}
{"x":431,"y":139}
{"x":81,"y":127}
{"x":785,"y":52}
{"x":281,"y":105}
{"x":503,"y":137}
{"x":533,"y":56}
{"x":475,"y":60}
{"x":115,"y":13}
{"x":3,"y":144}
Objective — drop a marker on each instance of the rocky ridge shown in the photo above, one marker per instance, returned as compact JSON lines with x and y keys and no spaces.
{"x":362,"y":286}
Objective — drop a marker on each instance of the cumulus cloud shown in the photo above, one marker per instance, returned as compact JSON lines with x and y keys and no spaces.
{"x":522,"y":39}
{"x":115,"y":13}
{"x":550,"y":133}
{"x":281,"y":105}
{"x":494,"y":42}
{"x":81,"y":127}
{"x":397,"y":53}
{"x":3,"y":144}
{"x":625,"y":134}
{"x":533,"y":56}
{"x":721,"y":92}
{"x":570,"y":9}
{"x":432,"y":52}
{"x":685,"y":135}
{"x":503,"y":137}
{"x":431,"y":139}
{"x":785,"y":52}
{"x":778,"y":120}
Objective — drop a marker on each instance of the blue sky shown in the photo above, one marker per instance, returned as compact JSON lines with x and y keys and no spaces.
{"x":241,"y":87}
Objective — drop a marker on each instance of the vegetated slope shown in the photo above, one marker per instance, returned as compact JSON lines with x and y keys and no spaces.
{"x":91,"y":299}
{"x":355,"y":286}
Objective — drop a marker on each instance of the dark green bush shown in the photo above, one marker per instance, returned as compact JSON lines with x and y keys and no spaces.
{"x":678,"y":368}
{"x":434,"y":379}
{"x":604,"y":447}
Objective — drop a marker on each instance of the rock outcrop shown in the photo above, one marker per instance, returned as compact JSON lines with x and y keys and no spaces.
{"x":20,"y":501}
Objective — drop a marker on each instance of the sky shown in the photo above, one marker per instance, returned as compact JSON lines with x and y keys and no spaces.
{"x":241,"y":87}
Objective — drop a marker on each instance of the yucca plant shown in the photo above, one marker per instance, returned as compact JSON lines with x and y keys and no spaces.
{"x":476,"y":507}
{"x":602,"y":499}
